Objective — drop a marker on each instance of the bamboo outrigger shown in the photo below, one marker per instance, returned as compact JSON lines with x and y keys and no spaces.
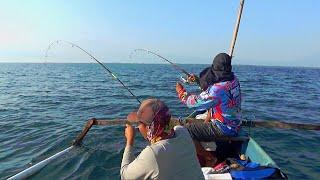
{"x":243,"y":145}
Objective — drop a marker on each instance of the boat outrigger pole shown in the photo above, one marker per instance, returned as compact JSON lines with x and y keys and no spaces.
{"x":37,"y":167}
{"x":236,"y":29}
{"x":91,"y":122}
{"x":248,"y":123}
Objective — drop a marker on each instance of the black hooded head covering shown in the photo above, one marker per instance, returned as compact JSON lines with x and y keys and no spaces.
{"x":220,"y":71}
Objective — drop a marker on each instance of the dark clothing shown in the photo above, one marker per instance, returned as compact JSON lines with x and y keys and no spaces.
{"x":204,"y":132}
{"x":219,"y":71}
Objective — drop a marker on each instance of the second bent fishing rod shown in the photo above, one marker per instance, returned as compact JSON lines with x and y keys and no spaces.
{"x":175,"y":66}
{"x":167,"y":60}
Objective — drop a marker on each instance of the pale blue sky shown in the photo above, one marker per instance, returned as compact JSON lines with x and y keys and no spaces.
{"x":272,"y":32}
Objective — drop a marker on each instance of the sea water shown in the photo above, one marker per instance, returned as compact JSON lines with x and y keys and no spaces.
{"x":44,"y":106}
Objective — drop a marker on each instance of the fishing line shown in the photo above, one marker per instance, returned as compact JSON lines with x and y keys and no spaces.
{"x":163,"y":58}
{"x":92,"y":57}
{"x":46,"y":88}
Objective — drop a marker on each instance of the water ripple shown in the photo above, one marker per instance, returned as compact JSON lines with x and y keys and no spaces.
{"x":43,"y":107}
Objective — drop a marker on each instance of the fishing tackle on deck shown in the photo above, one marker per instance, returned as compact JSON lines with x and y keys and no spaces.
{"x":92,"y":57}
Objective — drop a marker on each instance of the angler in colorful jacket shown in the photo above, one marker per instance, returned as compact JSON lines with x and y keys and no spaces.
{"x":221,"y":96}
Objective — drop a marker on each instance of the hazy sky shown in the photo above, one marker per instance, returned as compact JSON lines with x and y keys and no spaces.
{"x":272,"y":32}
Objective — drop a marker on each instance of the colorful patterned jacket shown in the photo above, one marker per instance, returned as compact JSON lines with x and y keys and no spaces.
{"x":224,"y":100}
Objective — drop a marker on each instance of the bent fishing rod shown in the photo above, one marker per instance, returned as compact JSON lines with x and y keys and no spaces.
{"x":175,"y":66}
{"x":38,"y":166}
{"x":165,"y":59}
{"x":92,"y":57}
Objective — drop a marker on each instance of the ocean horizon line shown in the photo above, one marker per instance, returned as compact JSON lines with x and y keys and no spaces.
{"x":256,"y":65}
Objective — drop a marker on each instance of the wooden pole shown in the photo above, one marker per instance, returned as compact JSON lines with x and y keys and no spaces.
{"x":236,"y":29}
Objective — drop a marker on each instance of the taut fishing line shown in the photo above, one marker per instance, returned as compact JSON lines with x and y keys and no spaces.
{"x":93,"y":58}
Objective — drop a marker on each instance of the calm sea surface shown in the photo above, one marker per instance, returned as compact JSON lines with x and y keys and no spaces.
{"x":44,"y":106}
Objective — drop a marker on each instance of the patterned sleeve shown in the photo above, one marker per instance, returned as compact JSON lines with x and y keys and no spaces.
{"x":203,"y":101}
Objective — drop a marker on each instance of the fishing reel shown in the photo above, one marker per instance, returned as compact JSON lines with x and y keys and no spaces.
{"x":194,"y":82}
{"x":186,"y":80}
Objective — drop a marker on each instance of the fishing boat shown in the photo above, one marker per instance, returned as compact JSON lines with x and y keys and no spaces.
{"x":243,"y":148}
{"x":252,"y":161}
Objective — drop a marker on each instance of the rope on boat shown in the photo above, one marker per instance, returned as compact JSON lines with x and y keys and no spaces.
{"x":92,"y":57}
